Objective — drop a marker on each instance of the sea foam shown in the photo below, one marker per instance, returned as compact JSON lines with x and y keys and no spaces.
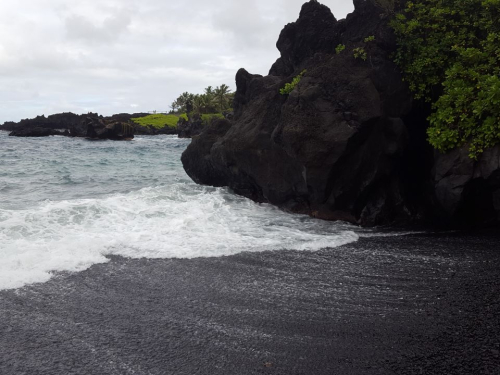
{"x":181,"y":220}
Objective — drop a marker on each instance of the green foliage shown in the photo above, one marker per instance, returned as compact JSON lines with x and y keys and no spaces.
{"x":449,"y":51}
{"x":204,"y":103}
{"x":360,"y":53}
{"x":181,"y":103}
{"x":339,"y":48}
{"x":287,"y":89}
{"x":158,"y":121}
{"x":184,"y":116}
{"x":208,"y":118}
{"x":223,"y":97}
{"x":370,"y":38}
{"x":212,"y":100}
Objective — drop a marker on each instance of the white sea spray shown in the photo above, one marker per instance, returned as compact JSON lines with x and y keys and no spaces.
{"x":48,"y":232}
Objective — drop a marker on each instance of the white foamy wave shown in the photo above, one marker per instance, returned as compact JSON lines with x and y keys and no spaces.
{"x":182,"y":220}
{"x":162,"y":139}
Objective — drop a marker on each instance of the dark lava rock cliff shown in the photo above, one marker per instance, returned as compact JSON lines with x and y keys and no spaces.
{"x":348,"y":143}
{"x":107,"y":129}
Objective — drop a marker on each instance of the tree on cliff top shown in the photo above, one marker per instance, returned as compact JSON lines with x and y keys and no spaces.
{"x":222,"y":96}
{"x":449,"y":51}
{"x":180,"y":104}
{"x":211,"y":101}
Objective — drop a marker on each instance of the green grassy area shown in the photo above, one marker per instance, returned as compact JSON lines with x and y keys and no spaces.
{"x":158,"y":121}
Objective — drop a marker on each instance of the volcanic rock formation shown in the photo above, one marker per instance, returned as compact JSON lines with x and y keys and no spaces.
{"x":69,"y":124}
{"x":59,"y":121}
{"x":189,"y":128}
{"x":348,"y":142}
{"x":107,"y":129}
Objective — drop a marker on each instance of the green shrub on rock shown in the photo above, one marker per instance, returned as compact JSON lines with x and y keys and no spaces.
{"x":360,"y":53}
{"x":449,"y":52}
{"x":290,"y":86}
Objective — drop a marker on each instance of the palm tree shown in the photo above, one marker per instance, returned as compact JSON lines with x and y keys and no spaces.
{"x":180,"y":104}
{"x":221,"y":94}
{"x":203,"y":104}
{"x":209,"y":91}
{"x":198,"y":104}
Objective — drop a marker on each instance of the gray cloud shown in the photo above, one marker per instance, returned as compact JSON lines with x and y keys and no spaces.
{"x":111,"y":56}
{"x":81,"y":28}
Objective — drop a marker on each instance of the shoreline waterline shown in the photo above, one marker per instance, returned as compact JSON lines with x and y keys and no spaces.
{"x":400,"y":304}
{"x":67,"y":204}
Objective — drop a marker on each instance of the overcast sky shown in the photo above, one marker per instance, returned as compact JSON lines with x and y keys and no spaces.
{"x":112,"y":56}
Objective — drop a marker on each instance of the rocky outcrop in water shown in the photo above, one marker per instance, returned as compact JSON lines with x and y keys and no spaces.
{"x":348,"y":142}
{"x":59,"y":121}
{"x":36,"y":132}
{"x":90,"y":126}
{"x":189,"y":128}
{"x":73,"y":125}
{"x":107,"y":129}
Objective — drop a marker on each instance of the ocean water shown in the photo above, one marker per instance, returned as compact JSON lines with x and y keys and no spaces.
{"x":66,"y":204}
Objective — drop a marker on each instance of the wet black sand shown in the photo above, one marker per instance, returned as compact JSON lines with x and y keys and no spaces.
{"x":419,"y":304}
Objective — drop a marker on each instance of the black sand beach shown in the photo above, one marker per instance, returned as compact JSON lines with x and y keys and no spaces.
{"x":417,"y":304}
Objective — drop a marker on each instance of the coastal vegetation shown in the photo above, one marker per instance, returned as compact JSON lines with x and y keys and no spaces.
{"x":213,"y":100}
{"x":157,"y":121}
{"x":449,"y":52}
{"x":287,"y":89}
{"x":209,"y":117}
{"x":207,"y":107}
{"x":360,"y":53}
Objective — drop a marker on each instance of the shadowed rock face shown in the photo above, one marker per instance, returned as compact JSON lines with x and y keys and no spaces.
{"x":466,"y":190}
{"x":189,"y":128}
{"x":107,"y":129}
{"x":332,"y":148}
{"x":348,"y":142}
